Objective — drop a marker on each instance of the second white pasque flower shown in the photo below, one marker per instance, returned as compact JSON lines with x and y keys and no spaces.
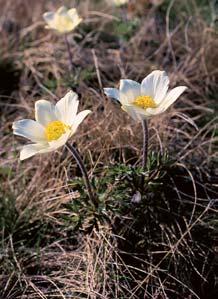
{"x":147,"y":99}
{"x":63,"y":20}
{"x":53,"y":126}
{"x":118,"y":2}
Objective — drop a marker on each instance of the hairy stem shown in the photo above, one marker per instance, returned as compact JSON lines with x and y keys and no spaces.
{"x":81,"y":165}
{"x":69,"y":53}
{"x":145,"y":149}
{"x":145,"y":144}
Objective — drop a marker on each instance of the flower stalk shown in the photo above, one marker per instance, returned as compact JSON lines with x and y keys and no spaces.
{"x":81,"y":165}
{"x":145,"y":144}
{"x":145,"y":149}
{"x":70,"y":55}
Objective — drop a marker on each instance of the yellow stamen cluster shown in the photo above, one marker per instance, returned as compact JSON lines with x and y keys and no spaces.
{"x":55,"y":130}
{"x":145,"y":102}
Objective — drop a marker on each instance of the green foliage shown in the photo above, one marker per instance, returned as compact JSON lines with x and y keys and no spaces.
{"x":51,"y":84}
{"x":87,"y":75}
{"x":5,"y":172}
{"x":111,"y":34}
{"x":125,"y":29}
{"x":115,"y":186}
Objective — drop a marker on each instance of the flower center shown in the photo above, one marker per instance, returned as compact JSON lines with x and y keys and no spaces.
{"x":55,"y":130}
{"x":63,"y":22}
{"x":145,"y":102}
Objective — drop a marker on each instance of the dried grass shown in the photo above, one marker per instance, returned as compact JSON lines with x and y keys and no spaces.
{"x":93,"y":266}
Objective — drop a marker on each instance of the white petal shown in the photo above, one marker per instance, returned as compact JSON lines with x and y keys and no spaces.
{"x":44,"y":112}
{"x":49,"y":17}
{"x":67,"y":107}
{"x":172,"y":96}
{"x":72,"y":12}
{"x":112,"y":93}
{"x":132,"y":112}
{"x":140,"y":112}
{"x":129,"y":90}
{"x":155,"y":85}
{"x":32,"y":149}
{"x":63,"y":20}
{"x":74,"y":16}
{"x":154,"y":111}
{"x":76,"y":19}
{"x":29,"y":129}
{"x":62,"y":10}
{"x":79,"y":118}
{"x":53,"y":145}
{"x":76,"y":22}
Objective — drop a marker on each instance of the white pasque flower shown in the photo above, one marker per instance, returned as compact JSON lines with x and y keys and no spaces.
{"x":147,"y":99}
{"x":53,"y":126}
{"x":63,"y":20}
{"x":156,"y":2}
{"x":118,"y":2}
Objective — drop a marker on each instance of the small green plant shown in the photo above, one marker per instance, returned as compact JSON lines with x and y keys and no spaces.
{"x":80,"y":75}
{"x":116,"y":187}
{"x":125,"y":29}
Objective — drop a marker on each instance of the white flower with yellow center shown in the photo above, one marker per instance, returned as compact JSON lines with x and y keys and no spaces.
{"x":147,"y":99}
{"x":118,"y":2}
{"x":53,"y":126}
{"x":63,"y":20}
